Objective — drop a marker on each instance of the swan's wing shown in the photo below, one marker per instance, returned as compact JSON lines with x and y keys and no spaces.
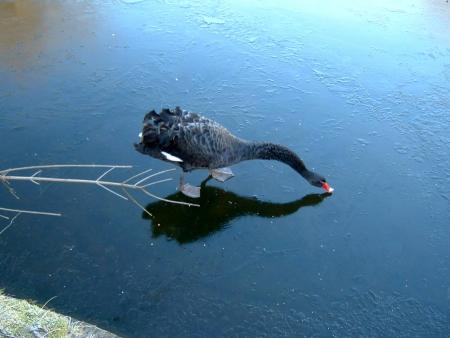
{"x":194,"y":139}
{"x":204,"y":143}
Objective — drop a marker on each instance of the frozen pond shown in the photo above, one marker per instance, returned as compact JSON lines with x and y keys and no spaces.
{"x":360,"y":91}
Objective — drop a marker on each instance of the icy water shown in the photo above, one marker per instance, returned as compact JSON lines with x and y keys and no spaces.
{"x":360,"y":91}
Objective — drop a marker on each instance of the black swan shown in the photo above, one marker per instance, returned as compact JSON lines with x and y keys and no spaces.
{"x":196,"y":142}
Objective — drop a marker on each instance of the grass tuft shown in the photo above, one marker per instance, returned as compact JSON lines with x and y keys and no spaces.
{"x":19,"y":318}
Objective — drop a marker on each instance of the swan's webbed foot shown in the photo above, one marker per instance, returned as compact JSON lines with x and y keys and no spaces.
{"x":221,"y":174}
{"x":189,"y":190}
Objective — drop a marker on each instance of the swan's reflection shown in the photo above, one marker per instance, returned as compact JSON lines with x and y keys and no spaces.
{"x":217,"y":209}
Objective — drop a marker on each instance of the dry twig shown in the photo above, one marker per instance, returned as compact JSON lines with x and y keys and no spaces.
{"x":13,"y":174}
{"x":10,"y":223}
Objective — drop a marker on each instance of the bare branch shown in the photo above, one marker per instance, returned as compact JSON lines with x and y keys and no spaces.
{"x":136,"y":202}
{"x":37,"y":172}
{"x":10,"y":223}
{"x":9,"y":188}
{"x":156,"y":182}
{"x":6,"y":177}
{"x":169,"y":201}
{"x":155,"y":174}
{"x":31,"y":212}
{"x":105,"y":173}
{"x":137,"y":175}
{"x":58,"y":166}
{"x":112,"y":191}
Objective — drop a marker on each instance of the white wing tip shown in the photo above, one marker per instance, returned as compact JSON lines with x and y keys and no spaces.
{"x":171,"y":157}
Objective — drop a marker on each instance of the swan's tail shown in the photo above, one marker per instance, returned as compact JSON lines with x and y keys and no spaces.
{"x":160,"y":128}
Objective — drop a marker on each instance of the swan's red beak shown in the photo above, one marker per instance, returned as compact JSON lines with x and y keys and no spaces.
{"x":327,"y":187}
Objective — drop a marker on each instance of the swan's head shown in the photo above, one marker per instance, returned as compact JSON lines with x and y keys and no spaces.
{"x":319,"y":181}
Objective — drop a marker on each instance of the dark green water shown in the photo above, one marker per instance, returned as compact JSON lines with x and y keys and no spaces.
{"x":360,"y":91}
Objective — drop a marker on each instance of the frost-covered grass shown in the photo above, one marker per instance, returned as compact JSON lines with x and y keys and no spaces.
{"x":19,"y":318}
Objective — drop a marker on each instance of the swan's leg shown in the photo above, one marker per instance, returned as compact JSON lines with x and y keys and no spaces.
{"x":221,"y":174}
{"x":187,"y":189}
{"x":205,"y":181}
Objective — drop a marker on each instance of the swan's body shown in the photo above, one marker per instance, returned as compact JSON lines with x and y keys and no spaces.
{"x":193,"y":142}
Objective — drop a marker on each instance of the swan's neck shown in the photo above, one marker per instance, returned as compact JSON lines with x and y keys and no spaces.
{"x":271,"y":151}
